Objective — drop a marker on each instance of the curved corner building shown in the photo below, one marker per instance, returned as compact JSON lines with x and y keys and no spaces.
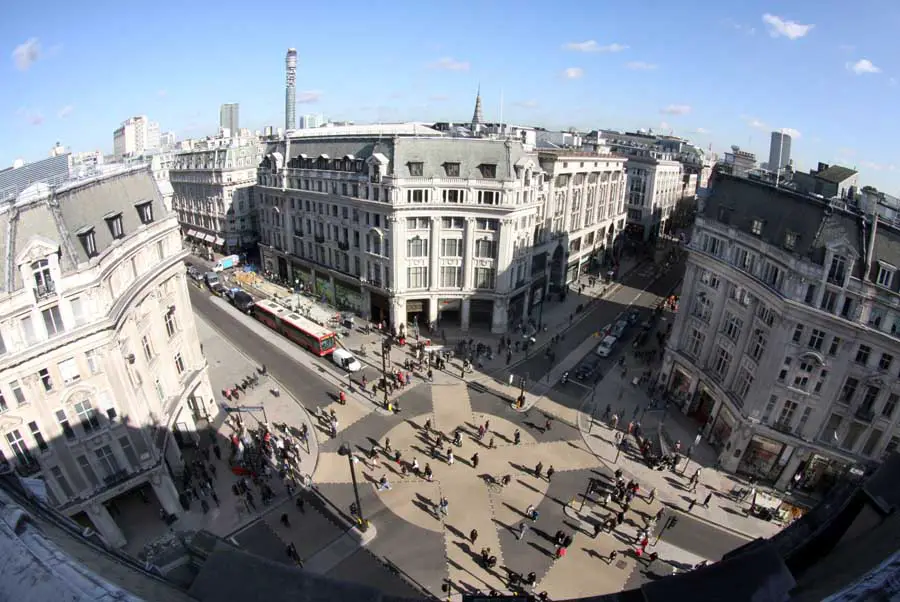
{"x":100,"y":369}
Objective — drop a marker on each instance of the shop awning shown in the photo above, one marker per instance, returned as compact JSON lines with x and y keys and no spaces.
{"x":220,"y":241}
{"x":208,"y":237}
{"x":191,"y":233}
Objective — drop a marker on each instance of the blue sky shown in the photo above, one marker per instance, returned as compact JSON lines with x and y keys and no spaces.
{"x":719,"y":73}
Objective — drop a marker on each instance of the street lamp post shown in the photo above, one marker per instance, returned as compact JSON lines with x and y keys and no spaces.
{"x":345,"y":450}
{"x":385,"y":361}
{"x":587,"y":492}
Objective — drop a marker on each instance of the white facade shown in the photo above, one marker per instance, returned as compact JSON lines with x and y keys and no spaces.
{"x":134,"y":136}
{"x":654,"y":187}
{"x":584,"y":211}
{"x":403,"y":225}
{"x":99,"y":360}
{"x":212,"y":192}
{"x":786,"y":349}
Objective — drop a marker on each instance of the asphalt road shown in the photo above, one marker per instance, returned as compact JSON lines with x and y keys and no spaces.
{"x":300,"y":380}
{"x":603,"y":312}
{"x":700,"y":537}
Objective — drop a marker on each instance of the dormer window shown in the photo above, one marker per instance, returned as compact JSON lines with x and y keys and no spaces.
{"x":488,"y":170}
{"x":451,"y":170}
{"x":88,"y":240}
{"x":885,"y":275}
{"x":790,"y":240}
{"x":416,"y":169}
{"x":114,"y":223}
{"x":145,"y":211}
{"x":756,"y":227}
{"x":43,"y":279}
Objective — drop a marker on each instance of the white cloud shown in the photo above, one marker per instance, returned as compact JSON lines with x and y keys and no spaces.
{"x":794,"y":134}
{"x":449,"y":64}
{"x":65,"y":111}
{"x":779,"y":27}
{"x":676,"y":110}
{"x":526,"y":104}
{"x":753,"y":122}
{"x":31,"y":116}
{"x":26,"y":54}
{"x":640,"y":66}
{"x":573,"y":72}
{"x":878,"y":166}
{"x":863,"y":66}
{"x":308,"y":96}
{"x":438,"y":97}
{"x":701,"y":131}
{"x":593,"y":46}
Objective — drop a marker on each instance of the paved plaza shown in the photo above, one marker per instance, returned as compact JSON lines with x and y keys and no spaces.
{"x":428,"y":547}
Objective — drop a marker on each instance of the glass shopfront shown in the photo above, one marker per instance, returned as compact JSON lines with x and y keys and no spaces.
{"x":761,"y":457}
{"x":348,"y":297}
{"x":722,"y":429}
{"x":324,"y":289}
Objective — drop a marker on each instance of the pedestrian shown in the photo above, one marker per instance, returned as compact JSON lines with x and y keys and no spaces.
{"x":285,"y":520}
{"x":301,"y":505}
{"x":444,"y":506}
{"x":692,"y":504}
{"x":474,"y":460}
{"x":597,"y":528}
{"x":548,"y":424}
{"x":620,"y":518}
{"x":652,"y":496}
{"x":517,"y":437}
{"x":428,"y":473}
{"x":523,"y":528}
{"x":215,"y":498}
{"x":550,"y":472}
{"x":428,"y":425}
{"x":450,"y":457}
{"x":491,"y":444}
{"x":560,"y":552}
{"x":204,"y":505}
{"x":539,"y":469}
{"x":706,"y":500}
{"x":473,"y":535}
{"x":612,"y":557}
{"x":383,"y":483}
{"x":487,"y":426}
{"x":529,"y":511}
{"x":217,"y":451}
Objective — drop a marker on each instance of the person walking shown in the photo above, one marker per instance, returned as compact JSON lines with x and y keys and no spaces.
{"x":550,"y":472}
{"x":538,"y":470}
{"x":444,"y":506}
{"x":652,"y":496}
{"x":523,"y":528}
{"x":692,"y":504}
{"x":706,"y":500}
{"x":285,"y":520}
{"x":473,"y":536}
{"x":597,"y":529}
{"x":301,"y":505}
{"x":530,"y":510}
{"x":474,"y":460}
{"x":429,"y":475}
{"x":517,"y":437}
{"x":450,"y":457}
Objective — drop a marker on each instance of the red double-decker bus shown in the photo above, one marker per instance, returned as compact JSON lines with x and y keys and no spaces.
{"x":303,"y":331}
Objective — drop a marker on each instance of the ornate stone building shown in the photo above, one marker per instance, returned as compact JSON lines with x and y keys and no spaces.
{"x":100,"y":369}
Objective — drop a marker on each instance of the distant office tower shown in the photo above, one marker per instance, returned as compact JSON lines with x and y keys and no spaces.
{"x":135,"y":136}
{"x":311,"y":121}
{"x":290,"y":92}
{"x":779,"y":151}
{"x":229,"y":117}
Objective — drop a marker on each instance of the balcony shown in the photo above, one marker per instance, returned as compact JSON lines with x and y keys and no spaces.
{"x":864,"y":413}
{"x":116,"y":478}
{"x":783,"y":427}
{"x":43,"y":291}
{"x":28,"y":468}
{"x":320,"y":239}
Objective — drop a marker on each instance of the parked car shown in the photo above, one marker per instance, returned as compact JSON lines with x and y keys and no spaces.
{"x":587,"y":368}
{"x":604,"y":349}
{"x":619,"y":328}
{"x":219,"y":289}
{"x":211,"y":279}
{"x":193,"y":272}
{"x":633,"y":316}
{"x":346,"y":360}
{"x":241,"y":300}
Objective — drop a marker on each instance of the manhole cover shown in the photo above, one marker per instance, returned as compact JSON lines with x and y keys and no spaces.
{"x":621,"y":564}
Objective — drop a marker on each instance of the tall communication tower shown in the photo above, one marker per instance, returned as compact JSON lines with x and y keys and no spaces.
{"x":290,"y":91}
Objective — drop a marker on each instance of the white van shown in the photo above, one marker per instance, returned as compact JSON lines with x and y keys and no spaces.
{"x":345,"y":360}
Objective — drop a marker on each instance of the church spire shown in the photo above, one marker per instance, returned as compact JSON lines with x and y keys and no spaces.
{"x":477,"y":117}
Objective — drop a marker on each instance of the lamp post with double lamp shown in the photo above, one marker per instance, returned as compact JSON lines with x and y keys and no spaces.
{"x":346,"y":450}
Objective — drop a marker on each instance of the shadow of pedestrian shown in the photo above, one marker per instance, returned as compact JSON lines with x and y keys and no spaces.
{"x":516,"y":510}
{"x":511,"y":528}
{"x":456,"y":532}
{"x":542,"y":549}
{"x":676,"y":483}
{"x":528,"y":486}
{"x":520,"y":468}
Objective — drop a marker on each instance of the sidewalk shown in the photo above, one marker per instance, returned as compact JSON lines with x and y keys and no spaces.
{"x":632,"y":402}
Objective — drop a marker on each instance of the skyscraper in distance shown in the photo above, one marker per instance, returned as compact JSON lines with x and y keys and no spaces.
{"x":290,"y":92}
{"x":779,"y":151}
{"x":229,"y":117}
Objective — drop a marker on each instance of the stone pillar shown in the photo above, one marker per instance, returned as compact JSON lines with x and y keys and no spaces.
{"x":434,"y":263}
{"x":173,"y":454}
{"x":105,"y":525}
{"x":790,"y":469}
{"x":166,"y":492}
{"x":398,"y":312}
{"x":432,"y":312}
{"x":464,"y":314}
{"x":468,"y":263}
{"x":499,"y":318}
